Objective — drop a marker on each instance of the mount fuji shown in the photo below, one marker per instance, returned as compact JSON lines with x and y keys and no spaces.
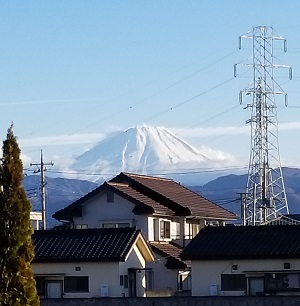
{"x":148,"y":150}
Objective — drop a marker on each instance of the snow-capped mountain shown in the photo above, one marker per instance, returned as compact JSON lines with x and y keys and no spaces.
{"x":146,"y":150}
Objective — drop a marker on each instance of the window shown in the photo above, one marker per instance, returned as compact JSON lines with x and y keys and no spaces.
{"x":115,"y":225}
{"x":40,"y":285}
{"x":165,"y":229}
{"x":121,"y":280}
{"x":76,"y":284}
{"x":282,"y":282}
{"x":256,"y":286}
{"x":193,"y":228}
{"x":81,"y":226}
{"x":233,"y":282}
{"x":125,"y":281}
{"x":110,"y":196}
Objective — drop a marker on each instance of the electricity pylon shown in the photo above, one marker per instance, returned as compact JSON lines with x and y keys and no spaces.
{"x":265,"y":199}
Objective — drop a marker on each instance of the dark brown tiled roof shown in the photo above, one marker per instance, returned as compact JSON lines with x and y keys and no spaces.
{"x":171,"y":251}
{"x":175,"y":196}
{"x":143,"y":201}
{"x":152,"y":195}
{"x":245,"y":242}
{"x":82,"y":245}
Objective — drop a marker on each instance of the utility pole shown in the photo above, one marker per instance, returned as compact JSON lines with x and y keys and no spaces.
{"x":266,"y":198}
{"x":243,"y":200}
{"x":42,"y":170}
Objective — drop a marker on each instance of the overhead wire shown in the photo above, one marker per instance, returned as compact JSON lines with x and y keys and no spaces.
{"x":127,"y":108}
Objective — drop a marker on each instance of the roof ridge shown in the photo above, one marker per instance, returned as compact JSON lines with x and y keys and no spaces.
{"x":117,"y":183}
{"x":147,"y":176}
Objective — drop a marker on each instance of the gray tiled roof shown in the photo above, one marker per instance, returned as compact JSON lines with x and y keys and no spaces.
{"x":245,"y":242}
{"x":81,"y":245}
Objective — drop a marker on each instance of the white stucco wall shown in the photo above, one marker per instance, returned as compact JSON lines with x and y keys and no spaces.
{"x":100,"y":274}
{"x":207,"y":273}
{"x":163,"y":279}
{"x":97,"y":211}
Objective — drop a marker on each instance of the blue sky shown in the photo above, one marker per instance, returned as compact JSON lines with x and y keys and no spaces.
{"x":72,"y":71}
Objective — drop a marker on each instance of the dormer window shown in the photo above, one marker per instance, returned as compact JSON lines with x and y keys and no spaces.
{"x":110,"y":196}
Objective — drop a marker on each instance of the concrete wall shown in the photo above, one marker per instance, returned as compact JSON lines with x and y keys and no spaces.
{"x":178,"y":301}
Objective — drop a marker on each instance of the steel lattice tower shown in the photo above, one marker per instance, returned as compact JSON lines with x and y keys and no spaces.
{"x":265,"y":199}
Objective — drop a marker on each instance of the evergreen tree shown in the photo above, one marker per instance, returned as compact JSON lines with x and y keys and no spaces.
{"x":17,"y":285}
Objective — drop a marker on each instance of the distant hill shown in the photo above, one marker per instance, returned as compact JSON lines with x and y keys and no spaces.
{"x":60,"y":192}
{"x":225,"y":190}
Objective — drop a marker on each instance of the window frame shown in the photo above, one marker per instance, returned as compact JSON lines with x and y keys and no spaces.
{"x":165,"y":231}
{"x":234,"y":282}
{"x":115,"y":224}
{"x":81,"y":226}
{"x":67,"y":285}
{"x":279,"y":282}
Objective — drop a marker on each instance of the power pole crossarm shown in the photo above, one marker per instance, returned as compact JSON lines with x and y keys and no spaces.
{"x":43,"y":184}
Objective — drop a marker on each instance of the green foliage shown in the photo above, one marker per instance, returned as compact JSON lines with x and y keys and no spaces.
{"x":17,"y":285}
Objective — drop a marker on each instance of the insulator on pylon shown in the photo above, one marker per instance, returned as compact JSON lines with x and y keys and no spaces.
{"x":240,"y":42}
{"x":286,"y":100}
{"x":234,"y":70}
{"x":285,"y":45}
{"x":241,"y":97}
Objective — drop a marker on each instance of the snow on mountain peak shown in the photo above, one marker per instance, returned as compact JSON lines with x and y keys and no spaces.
{"x":142,"y":149}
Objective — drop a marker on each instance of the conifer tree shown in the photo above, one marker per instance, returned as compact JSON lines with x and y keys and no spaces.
{"x":17,"y":285}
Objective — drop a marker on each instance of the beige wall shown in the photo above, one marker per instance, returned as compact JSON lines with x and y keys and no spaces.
{"x":165,"y":281}
{"x":207,"y":273}
{"x":100,"y":274}
{"x":97,"y":210}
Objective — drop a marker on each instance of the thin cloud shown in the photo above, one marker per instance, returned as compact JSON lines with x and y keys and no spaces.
{"x":289,"y":126}
{"x":35,"y":102}
{"x":207,"y":132}
{"x":62,"y":140}
{"x":227,"y":130}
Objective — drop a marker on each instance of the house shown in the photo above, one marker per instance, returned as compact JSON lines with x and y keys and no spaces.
{"x":90,"y":263}
{"x":245,"y":260}
{"x":35,"y":219}
{"x":168,"y":214}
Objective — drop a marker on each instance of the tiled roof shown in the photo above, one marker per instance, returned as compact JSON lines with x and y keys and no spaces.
{"x":142,"y":201}
{"x":174,"y":196}
{"x":171,"y":251}
{"x":152,"y":195}
{"x":94,"y":245}
{"x":245,"y":242}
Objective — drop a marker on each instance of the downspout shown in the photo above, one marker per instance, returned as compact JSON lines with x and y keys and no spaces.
{"x":183,"y":232}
